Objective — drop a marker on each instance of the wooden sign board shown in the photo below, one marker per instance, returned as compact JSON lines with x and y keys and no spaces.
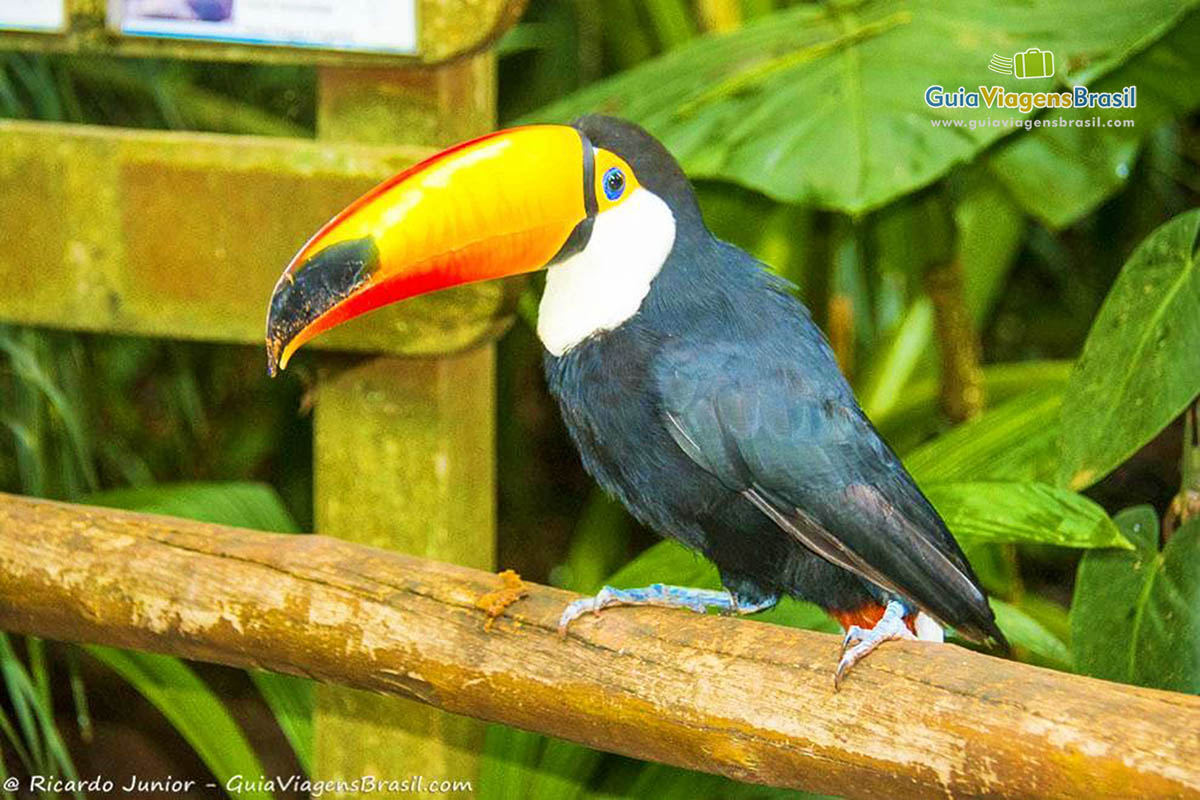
{"x":33,"y":15}
{"x":378,"y":26}
{"x":328,"y":33}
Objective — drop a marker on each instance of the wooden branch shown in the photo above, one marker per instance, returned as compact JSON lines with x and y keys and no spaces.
{"x":732,"y":696}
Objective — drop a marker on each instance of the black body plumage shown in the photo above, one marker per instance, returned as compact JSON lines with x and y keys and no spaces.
{"x":718,"y":416}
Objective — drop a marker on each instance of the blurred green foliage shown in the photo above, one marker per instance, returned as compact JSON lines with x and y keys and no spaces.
{"x":804,"y":128}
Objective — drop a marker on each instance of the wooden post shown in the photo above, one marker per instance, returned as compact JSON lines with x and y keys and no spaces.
{"x":404,"y":448}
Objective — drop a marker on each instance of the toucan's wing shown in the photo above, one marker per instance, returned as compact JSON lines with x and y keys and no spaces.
{"x":782,"y":427}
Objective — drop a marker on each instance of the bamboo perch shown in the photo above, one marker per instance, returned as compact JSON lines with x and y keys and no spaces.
{"x":731,"y":696}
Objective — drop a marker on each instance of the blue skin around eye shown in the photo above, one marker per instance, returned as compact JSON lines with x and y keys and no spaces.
{"x":613,"y":189}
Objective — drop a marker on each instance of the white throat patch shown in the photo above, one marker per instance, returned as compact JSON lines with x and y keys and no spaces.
{"x":604,"y":284}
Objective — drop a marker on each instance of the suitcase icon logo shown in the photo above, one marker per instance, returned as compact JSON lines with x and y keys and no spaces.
{"x":1033,"y":63}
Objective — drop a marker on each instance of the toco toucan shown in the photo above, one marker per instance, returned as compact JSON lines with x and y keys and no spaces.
{"x":696,"y":387}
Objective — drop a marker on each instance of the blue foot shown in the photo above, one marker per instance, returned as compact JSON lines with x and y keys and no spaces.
{"x":698,"y":600}
{"x":859,"y":642}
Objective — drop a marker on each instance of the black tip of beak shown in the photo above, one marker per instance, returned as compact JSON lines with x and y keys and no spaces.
{"x":272,"y":360}
{"x":320,"y":283}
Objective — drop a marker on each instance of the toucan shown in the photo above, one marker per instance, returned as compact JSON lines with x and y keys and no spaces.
{"x":694,"y":383}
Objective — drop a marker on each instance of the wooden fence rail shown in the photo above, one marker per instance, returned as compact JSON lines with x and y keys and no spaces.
{"x":731,"y":696}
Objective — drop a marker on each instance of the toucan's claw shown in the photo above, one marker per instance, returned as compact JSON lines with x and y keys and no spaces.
{"x":860,"y":642}
{"x":854,"y":634}
{"x":698,"y":600}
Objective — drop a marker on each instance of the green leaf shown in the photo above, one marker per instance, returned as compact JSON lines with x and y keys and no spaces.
{"x":83,"y":716}
{"x":45,"y":749}
{"x":895,"y":363}
{"x":291,"y":700}
{"x":509,"y":762}
{"x":671,"y":21}
{"x":1086,"y":165}
{"x":994,"y":565}
{"x":518,"y":763}
{"x":915,"y":415}
{"x":563,"y":770}
{"x":628,"y":37}
{"x":1141,"y":363}
{"x":243,"y":505}
{"x":193,"y":709}
{"x":991,"y":229}
{"x":29,"y":357}
{"x":1135,"y":616}
{"x":664,"y":782}
{"x":904,"y":239}
{"x":14,"y":740}
{"x":598,"y":544}
{"x":1014,"y":441}
{"x":1049,"y":614}
{"x":825,"y":103}
{"x":7,"y":794}
{"x":1033,"y":513}
{"x":1024,"y":631}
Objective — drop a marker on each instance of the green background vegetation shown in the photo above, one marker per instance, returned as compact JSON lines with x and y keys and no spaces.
{"x":1041,"y":400}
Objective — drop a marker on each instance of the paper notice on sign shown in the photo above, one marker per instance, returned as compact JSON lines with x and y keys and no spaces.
{"x":33,"y":15}
{"x":388,"y":26}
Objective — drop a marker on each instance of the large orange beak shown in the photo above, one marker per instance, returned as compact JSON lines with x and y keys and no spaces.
{"x":500,"y":205}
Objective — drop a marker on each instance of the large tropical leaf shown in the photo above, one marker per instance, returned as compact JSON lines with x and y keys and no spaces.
{"x":915,"y":415}
{"x":1061,"y":173}
{"x":244,"y":505}
{"x":291,"y":700}
{"x":1022,"y":630}
{"x":1136,"y":614}
{"x":906,"y":352}
{"x":1028,"y":513}
{"x":1141,"y":363}
{"x":193,"y":709}
{"x":509,"y":763}
{"x":991,"y":229}
{"x":672,"y":783}
{"x":563,"y":769}
{"x":598,"y":544}
{"x":825,"y":104}
{"x":1014,"y":441}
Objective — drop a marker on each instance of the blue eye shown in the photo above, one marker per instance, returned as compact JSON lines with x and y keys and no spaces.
{"x":614,"y":183}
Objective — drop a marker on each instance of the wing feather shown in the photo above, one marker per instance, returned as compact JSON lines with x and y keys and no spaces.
{"x":804,"y":454}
